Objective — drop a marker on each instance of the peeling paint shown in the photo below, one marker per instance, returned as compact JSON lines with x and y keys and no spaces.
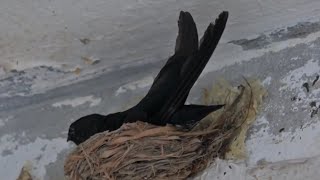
{"x":303,"y":143}
{"x":41,"y":152}
{"x":143,"y":83}
{"x":78,"y":101}
{"x":295,"y":78}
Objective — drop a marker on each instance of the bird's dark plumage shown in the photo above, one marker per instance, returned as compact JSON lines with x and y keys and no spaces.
{"x":191,"y":114}
{"x":164,"y":102}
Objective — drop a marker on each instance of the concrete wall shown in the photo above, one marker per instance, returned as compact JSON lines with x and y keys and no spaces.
{"x":62,"y":59}
{"x":48,"y":32}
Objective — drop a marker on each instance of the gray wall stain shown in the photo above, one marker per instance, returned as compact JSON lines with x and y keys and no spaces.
{"x":300,"y":30}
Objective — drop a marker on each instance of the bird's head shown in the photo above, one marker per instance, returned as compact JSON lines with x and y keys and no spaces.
{"x":85,"y":127}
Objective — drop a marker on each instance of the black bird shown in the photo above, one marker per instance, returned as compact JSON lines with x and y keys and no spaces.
{"x":164,"y":103}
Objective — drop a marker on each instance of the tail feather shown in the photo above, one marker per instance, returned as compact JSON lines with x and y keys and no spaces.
{"x":187,"y":39}
{"x":194,"y":66}
{"x":168,"y":77}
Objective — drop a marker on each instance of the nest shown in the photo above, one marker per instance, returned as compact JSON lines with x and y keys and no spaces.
{"x":25,"y":172}
{"x":145,"y":151}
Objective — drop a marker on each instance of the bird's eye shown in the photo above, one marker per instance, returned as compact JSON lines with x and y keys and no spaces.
{"x":72,"y":130}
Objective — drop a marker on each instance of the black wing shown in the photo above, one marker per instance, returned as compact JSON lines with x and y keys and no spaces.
{"x":192,"y":69}
{"x":170,"y":75}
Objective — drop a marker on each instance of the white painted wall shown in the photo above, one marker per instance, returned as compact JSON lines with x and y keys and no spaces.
{"x":124,"y":32}
{"x":47,"y":32}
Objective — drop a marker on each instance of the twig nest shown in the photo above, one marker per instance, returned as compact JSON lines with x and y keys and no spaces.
{"x":145,"y":151}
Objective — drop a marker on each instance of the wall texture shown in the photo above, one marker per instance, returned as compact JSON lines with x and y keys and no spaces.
{"x":62,"y":59}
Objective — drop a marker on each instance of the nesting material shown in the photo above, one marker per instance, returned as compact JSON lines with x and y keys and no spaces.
{"x":25,"y":172}
{"x":145,"y":151}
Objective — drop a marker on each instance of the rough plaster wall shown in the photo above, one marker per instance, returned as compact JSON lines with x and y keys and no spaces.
{"x":118,"y":47}
{"x":48,"y":32}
